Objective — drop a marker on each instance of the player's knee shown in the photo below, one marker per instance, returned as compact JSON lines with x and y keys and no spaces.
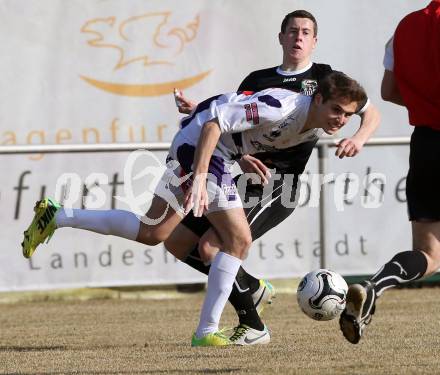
{"x":238,"y":244}
{"x":246,"y":239}
{"x":151,"y":236}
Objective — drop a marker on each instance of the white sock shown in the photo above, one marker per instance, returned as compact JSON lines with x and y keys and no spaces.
{"x":221,"y":277}
{"x":119,"y":223}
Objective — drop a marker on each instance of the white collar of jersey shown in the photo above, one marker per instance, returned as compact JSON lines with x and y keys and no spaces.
{"x":293,"y":72}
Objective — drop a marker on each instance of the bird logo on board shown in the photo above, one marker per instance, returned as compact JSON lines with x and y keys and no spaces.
{"x":151,"y":40}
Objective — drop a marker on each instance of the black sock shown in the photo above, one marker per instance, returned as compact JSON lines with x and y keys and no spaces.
{"x":193,"y":260}
{"x":403,"y":268}
{"x":242,"y":301}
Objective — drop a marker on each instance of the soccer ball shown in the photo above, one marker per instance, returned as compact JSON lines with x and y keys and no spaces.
{"x":321,"y":294}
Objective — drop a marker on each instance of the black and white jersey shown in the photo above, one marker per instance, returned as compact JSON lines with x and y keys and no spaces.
{"x":304,"y":81}
{"x":270,"y":210}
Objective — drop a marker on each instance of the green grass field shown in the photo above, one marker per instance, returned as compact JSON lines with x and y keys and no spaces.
{"x":129,"y":336}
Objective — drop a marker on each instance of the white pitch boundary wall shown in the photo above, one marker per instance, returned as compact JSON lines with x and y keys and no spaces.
{"x":86,"y":71}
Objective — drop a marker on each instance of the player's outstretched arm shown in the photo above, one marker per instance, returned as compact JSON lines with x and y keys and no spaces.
{"x":349,"y":147}
{"x":196,"y":198}
{"x":184,"y":105}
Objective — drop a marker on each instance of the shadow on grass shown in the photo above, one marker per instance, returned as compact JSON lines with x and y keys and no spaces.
{"x":30,"y":348}
{"x":180,"y":371}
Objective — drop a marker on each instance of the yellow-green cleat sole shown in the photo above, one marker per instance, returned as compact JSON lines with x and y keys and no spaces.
{"x":212,"y":339}
{"x":42,"y":227}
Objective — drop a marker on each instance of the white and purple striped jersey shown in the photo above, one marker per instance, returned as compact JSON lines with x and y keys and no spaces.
{"x":266,"y":121}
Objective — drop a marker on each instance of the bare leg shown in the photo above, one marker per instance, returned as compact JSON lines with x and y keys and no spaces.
{"x":209,"y":245}
{"x":426,"y":238}
{"x":235,"y":235}
{"x":158,"y":223}
{"x":181,"y":242}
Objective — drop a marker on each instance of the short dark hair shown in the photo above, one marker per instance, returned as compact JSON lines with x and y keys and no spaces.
{"x":299,"y":14}
{"x":338,"y":85}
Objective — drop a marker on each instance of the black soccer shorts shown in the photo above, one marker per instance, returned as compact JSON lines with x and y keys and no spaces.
{"x":270,"y":211}
{"x":423,"y":180}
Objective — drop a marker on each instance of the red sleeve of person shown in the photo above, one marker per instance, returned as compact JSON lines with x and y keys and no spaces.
{"x":418,"y":79}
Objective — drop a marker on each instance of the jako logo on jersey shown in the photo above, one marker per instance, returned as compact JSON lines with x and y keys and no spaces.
{"x":308,"y":86}
{"x":292,"y":79}
{"x":150,"y":39}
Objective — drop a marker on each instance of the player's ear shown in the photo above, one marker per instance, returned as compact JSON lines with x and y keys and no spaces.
{"x":318,"y":99}
{"x":280,"y":35}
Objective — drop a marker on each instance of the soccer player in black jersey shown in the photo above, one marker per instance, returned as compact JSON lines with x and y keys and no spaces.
{"x":193,"y":241}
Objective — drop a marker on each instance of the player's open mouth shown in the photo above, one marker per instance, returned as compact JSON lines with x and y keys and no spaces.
{"x":333,"y":127}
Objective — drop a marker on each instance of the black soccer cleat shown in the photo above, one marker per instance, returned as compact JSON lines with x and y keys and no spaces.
{"x":361,"y":304}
